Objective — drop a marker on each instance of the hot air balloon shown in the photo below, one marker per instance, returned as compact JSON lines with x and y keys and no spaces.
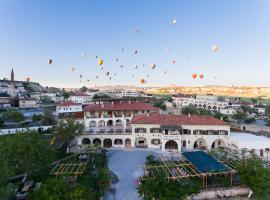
{"x":88,"y":80}
{"x":153,"y":66}
{"x":135,"y":66}
{"x":194,"y":75}
{"x":142,"y":65}
{"x":201,"y":76}
{"x":122,"y":66}
{"x":72,"y":69}
{"x":122,"y":49}
{"x":142,"y":81}
{"x":83,"y":53}
{"x":165,"y":72}
{"x":173,"y":61}
{"x":174,"y":21}
{"x":136,"y":30}
{"x":215,"y":48}
{"x":110,"y":78}
{"x":114,"y":74}
{"x":80,"y":75}
{"x":167,"y":48}
{"x":107,"y":73}
{"x":136,"y":51}
{"x":116,"y":59}
{"x":96,"y":77}
{"x":27,"y":79}
{"x":100,"y":62}
{"x":147,"y":76}
{"x":96,"y":56}
{"x":50,"y":61}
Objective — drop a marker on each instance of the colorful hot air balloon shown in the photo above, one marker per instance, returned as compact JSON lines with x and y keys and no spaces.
{"x":153,"y":66}
{"x":142,"y":81}
{"x":50,"y":61}
{"x":201,"y":76}
{"x":194,"y":75}
{"x":100,"y":62}
{"x":215,"y":48}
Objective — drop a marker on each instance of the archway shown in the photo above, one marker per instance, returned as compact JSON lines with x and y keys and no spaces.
{"x":107,"y":143}
{"x":141,"y":142}
{"x":110,"y":123}
{"x":97,"y":141}
{"x":200,"y":144}
{"x":86,"y":141}
{"x":92,"y":124}
{"x":118,"y":141}
{"x":118,"y":122}
{"x":171,"y":144}
{"x":218,"y":144}
{"x":101,"y":123}
{"x":128,"y":143}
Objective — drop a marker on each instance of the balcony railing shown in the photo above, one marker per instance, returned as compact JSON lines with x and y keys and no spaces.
{"x":108,"y":130}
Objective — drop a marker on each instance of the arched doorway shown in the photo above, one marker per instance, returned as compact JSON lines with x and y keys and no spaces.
{"x":93,"y":124}
{"x":118,"y":122}
{"x":101,"y":123}
{"x":107,"y":143}
{"x":110,"y":123}
{"x":200,"y":144}
{"x":97,"y":141}
{"x":171,"y":144}
{"x":128,"y":143}
{"x":218,"y":144}
{"x":118,"y":142}
{"x":86,"y":141}
{"x":141,"y":142}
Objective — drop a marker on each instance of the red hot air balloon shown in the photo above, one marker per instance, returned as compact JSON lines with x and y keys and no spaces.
{"x":194,"y":75}
{"x":201,"y":76}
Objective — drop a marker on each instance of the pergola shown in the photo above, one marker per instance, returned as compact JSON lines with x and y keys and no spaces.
{"x":180,"y":168}
{"x":68,"y":169}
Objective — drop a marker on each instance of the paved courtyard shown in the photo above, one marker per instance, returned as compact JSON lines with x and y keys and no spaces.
{"x":125,"y":164}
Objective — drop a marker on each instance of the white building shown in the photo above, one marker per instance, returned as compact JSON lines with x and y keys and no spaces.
{"x":260,"y":110}
{"x":28,"y":103}
{"x":228,"y":111}
{"x":55,"y":97}
{"x":81,"y":98}
{"x":209,"y":102}
{"x":69,"y":109}
{"x":137,"y":125}
{"x":124,"y":93}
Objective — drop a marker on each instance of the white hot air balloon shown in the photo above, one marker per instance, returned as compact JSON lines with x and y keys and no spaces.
{"x":83,"y":54}
{"x":153,"y":66}
{"x":174,"y":21}
{"x":215,"y":48}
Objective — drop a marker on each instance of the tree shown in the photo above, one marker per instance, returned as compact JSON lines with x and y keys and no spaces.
{"x":36,"y":118}
{"x":254,"y":173}
{"x":239,"y":115}
{"x":189,"y":110}
{"x":160,"y":105}
{"x":7,"y":190}
{"x":254,"y":101}
{"x":13,"y":115}
{"x":160,"y":187}
{"x":24,"y":152}
{"x":48,"y":118}
{"x":101,"y":97}
{"x":2,"y":122}
{"x":66,"y":131}
{"x":250,"y":120}
{"x":267,"y":110}
{"x":45,"y":100}
{"x":65,"y":95}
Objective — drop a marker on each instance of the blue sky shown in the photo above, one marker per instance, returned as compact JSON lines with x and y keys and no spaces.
{"x":32,"y":31}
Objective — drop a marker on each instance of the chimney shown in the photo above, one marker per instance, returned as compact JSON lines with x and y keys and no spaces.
{"x":102,"y":105}
{"x":221,"y":118}
{"x":112,"y":102}
{"x":147,"y":115}
{"x":129,"y":102}
{"x":189,"y":115}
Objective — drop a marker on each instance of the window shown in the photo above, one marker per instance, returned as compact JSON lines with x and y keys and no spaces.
{"x":184,"y":143}
{"x":140,"y":130}
{"x":186,"y":132}
{"x":155,"y":141}
{"x":155,"y":130}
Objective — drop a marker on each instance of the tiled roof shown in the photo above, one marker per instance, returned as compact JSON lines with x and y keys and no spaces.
{"x":165,"y":119}
{"x":123,"y":106}
{"x":69,"y":104}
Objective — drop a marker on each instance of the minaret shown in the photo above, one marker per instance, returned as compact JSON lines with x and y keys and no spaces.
{"x":12,"y":84}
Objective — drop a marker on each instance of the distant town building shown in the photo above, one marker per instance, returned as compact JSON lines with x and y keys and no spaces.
{"x":5,"y":102}
{"x":80,"y":98}
{"x":28,"y":103}
{"x":69,"y":109}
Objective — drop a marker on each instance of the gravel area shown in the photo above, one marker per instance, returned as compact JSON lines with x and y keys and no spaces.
{"x":125,"y":164}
